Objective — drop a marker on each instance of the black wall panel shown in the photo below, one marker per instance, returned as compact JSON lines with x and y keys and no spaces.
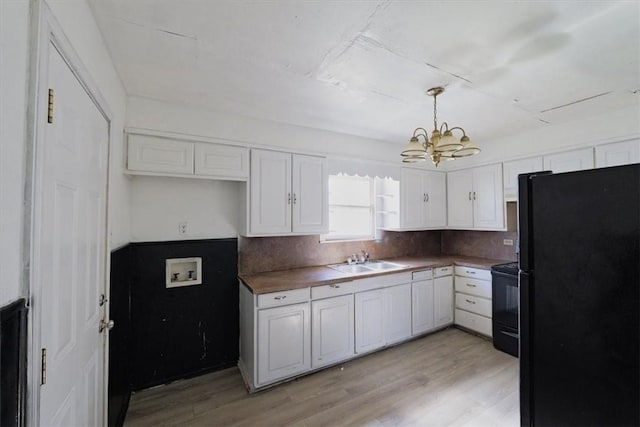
{"x":184,"y":331}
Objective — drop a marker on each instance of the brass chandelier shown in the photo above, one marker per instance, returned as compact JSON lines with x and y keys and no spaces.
{"x":442,"y":145}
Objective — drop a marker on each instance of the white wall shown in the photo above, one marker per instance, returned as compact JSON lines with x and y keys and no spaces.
{"x":210,"y":208}
{"x":79,"y":26}
{"x":14,"y":62}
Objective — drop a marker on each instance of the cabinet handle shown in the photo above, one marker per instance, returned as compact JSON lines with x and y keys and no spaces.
{"x":424,"y":197}
{"x":335,"y":286}
{"x":280,"y":298}
{"x":288,"y":198}
{"x":470,"y":285}
{"x":295,"y":198}
{"x":469,"y":195}
{"x":474,"y":195}
{"x":469,"y":301}
{"x":470,"y":272}
{"x":427,"y":197}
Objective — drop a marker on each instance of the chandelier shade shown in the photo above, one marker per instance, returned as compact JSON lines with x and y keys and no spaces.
{"x":442,"y":145}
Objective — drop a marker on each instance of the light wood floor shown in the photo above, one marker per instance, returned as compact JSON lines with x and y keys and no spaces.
{"x":448,"y":378}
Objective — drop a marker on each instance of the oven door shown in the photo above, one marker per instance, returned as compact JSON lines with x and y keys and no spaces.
{"x":505,"y":299}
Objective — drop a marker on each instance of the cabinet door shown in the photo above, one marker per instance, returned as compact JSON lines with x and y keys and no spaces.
{"x":435,"y":187}
{"x":459,"y":199}
{"x":332,"y":330}
{"x":398,"y":313}
{"x":222,"y":161}
{"x":284,"y":344}
{"x":154,"y":154}
{"x":443,"y":301}
{"x":369,"y":307}
{"x":511,"y":170}
{"x":309,"y":194}
{"x":270,"y":199}
{"x":617,"y":154}
{"x":412,"y":198}
{"x":569,"y":161}
{"x":488,"y":203}
{"x":421,"y":306}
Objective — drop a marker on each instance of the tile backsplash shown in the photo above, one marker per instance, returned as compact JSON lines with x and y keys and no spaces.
{"x":484,"y":244}
{"x":260,"y":254}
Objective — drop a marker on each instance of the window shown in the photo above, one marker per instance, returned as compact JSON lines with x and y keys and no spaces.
{"x":351,"y":208}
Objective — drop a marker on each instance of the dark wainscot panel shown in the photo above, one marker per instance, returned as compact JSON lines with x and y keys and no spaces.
{"x":183,"y":331}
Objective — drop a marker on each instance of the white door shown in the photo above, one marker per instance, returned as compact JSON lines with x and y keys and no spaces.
{"x":398,"y":313}
{"x":284,"y":342}
{"x":309,"y":194}
{"x":369,"y":320}
{"x":422,"y":306}
{"x":69,"y":252}
{"x":270,"y":190}
{"x":488,"y":203}
{"x":443,"y":301}
{"x":412,"y":198}
{"x":460,"y":199}
{"x":435,"y":187}
{"x":331,"y":330}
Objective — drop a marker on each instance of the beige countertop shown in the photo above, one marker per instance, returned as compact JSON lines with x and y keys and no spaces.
{"x":283,"y":280}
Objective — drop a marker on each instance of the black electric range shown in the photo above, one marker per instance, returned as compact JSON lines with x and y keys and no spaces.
{"x":505,"y":297}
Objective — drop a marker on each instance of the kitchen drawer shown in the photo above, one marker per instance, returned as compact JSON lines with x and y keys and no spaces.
{"x":474,"y":322}
{"x":376,"y":282}
{"x":422,"y":275}
{"x":443,"y":271}
{"x":473,"y":304}
{"x":275,"y":299}
{"x":476,"y":287}
{"x":333,"y":290}
{"x":476,"y":273}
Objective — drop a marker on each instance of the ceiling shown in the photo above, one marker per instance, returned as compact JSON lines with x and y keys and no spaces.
{"x":362,"y":67}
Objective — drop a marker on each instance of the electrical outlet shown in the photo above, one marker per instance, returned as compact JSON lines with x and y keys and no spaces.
{"x":182,"y":228}
{"x":508,"y":242}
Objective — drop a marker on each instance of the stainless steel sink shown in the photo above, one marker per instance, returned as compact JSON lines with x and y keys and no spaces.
{"x":350,"y":268}
{"x":368,"y":267}
{"x":383,"y":265}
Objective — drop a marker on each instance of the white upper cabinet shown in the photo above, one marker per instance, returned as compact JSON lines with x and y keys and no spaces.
{"x":475,"y":198}
{"x":617,"y":154}
{"x":157,"y":155}
{"x":153,"y":154}
{"x":221,"y":161}
{"x":511,"y":170}
{"x":280,"y":191}
{"x":309,"y":186}
{"x":569,"y":161}
{"x":423,"y":197}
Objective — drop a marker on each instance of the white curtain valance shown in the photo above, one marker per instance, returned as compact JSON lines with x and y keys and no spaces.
{"x":363,"y":168}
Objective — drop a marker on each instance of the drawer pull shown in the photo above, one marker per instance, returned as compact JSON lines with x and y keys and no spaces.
{"x":470,"y":272}
{"x":469,"y":301}
{"x":280,"y":297}
{"x":334,"y":286}
{"x":470,"y":285}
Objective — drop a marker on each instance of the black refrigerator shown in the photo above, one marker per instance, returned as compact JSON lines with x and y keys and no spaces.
{"x":580,"y":297}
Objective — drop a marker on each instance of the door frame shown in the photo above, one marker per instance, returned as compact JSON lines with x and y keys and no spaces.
{"x":47,"y":31}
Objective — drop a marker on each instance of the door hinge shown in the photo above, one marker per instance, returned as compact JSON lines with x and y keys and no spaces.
{"x":50,"y":108}
{"x":43,"y":367}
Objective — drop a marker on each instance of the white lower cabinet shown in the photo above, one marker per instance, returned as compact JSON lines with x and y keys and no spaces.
{"x":473,"y":299}
{"x":369,"y":310}
{"x":443,"y":301}
{"x":284,"y":342}
{"x":422,"y":306}
{"x":332,"y":330}
{"x":398,"y":313}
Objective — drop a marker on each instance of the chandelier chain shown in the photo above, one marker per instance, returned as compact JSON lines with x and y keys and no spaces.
{"x":435,"y":112}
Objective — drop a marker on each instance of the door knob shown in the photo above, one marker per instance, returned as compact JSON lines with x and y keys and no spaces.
{"x":106,"y":325}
